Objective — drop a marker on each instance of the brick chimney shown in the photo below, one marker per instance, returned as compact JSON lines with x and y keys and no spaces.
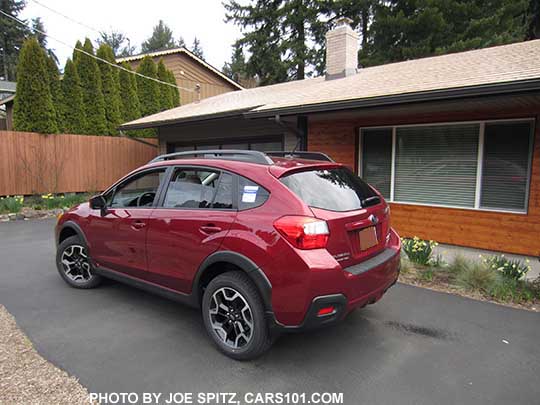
{"x":341,"y":50}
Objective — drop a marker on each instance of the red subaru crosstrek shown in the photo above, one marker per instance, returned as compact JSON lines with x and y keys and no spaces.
{"x":262,"y":243}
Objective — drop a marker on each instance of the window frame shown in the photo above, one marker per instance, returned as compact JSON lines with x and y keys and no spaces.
{"x":479,"y":167}
{"x":114,"y":188}
{"x":172,"y":168}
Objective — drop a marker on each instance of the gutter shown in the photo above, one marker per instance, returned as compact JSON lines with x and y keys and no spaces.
{"x":206,"y":117}
{"x":431,"y":95}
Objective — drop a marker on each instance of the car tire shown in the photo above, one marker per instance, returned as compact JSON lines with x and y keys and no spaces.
{"x":229,"y":329}
{"x":74,"y":264}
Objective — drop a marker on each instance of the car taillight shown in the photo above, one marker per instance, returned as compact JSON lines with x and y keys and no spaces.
{"x":303,"y":232}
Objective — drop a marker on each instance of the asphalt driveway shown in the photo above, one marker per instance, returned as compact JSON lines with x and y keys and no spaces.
{"x":413,"y":347}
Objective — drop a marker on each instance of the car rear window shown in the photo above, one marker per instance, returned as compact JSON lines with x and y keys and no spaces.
{"x":337,"y":189}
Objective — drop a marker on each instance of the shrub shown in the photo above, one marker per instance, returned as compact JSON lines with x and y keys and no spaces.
{"x":9,"y":205}
{"x":507,"y":289}
{"x":458,"y":264}
{"x":427,"y":274}
{"x":49,"y":201}
{"x":92,"y":94}
{"x":418,"y":251}
{"x":512,"y":269}
{"x":476,"y":276}
{"x":33,"y":109}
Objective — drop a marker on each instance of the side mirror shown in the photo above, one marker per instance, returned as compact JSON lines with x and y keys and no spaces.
{"x":97,"y":202}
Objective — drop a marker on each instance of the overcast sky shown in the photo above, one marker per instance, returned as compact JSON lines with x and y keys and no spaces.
{"x":135,"y":18}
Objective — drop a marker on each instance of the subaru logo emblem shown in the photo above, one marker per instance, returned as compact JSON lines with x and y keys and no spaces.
{"x":373,"y":219}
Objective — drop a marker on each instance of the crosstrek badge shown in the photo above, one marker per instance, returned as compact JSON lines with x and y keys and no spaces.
{"x":250,"y":194}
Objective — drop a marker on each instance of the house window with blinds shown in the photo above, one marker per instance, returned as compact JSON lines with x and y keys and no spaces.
{"x":482,"y":165}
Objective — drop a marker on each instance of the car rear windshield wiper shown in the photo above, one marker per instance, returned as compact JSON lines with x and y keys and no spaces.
{"x":368,"y":202}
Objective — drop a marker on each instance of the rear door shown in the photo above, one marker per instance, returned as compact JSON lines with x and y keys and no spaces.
{"x":356,"y":214}
{"x":190,"y":222}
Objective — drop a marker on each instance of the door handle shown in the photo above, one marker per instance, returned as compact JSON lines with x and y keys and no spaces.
{"x":210,"y":229}
{"x":138,"y":225}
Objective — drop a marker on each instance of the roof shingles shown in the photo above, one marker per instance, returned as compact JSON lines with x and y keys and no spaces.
{"x":501,"y":64}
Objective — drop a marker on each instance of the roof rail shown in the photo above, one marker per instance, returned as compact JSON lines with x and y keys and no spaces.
{"x":227,"y":154}
{"x":301,"y":155}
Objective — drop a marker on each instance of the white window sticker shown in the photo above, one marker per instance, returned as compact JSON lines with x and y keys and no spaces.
{"x":250,"y":194}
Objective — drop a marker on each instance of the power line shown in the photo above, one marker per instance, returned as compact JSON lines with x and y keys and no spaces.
{"x":94,"y":56}
{"x":67,"y":17}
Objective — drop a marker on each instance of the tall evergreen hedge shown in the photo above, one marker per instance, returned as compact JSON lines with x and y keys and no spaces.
{"x":71,"y":105}
{"x":148,"y":90}
{"x":129,"y":107}
{"x":110,"y":88}
{"x":175,"y":91}
{"x":93,"y":101}
{"x":56,"y":93}
{"x":165,"y":92}
{"x":34,"y":109}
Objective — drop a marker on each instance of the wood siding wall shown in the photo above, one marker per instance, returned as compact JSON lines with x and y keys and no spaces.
{"x":32,"y":163}
{"x":505,"y":232}
{"x":188,"y":73}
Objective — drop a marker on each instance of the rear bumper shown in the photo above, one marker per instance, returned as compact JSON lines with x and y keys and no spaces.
{"x":357,"y":286}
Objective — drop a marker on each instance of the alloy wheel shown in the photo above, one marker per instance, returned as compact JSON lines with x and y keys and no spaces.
{"x":76,"y":264}
{"x":231,"y":317}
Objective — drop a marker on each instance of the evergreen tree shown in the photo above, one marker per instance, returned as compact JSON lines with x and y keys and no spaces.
{"x":53,"y":76}
{"x":533,"y":18}
{"x":262,"y":38}
{"x":130,"y":108}
{"x":148,"y":90}
{"x":93,"y":101}
{"x":119,"y":43}
{"x":237,"y":68}
{"x":12,"y":36}
{"x":165,"y":92}
{"x":181,"y":43}
{"x":196,"y":48}
{"x":110,"y":88}
{"x":409,"y":29}
{"x":71,"y":105}
{"x":175,"y":91}
{"x":33,"y":110}
{"x":161,"y":38}
{"x":38,"y":29}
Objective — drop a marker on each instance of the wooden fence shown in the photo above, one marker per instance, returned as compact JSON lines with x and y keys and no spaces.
{"x":32,"y":163}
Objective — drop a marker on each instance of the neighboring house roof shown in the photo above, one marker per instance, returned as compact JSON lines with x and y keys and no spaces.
{"x":7,"y":99}
{"x":7,"y":87}
{"x":498,"y":69}
{"x":186,"y":52}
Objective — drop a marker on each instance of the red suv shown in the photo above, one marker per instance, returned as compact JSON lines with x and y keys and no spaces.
{"x":263,"y":243}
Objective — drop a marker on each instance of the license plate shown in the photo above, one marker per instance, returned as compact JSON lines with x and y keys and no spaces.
{"x":368,"y":238}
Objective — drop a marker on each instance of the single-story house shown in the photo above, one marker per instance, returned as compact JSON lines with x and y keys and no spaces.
{"x":191,"y":72}
{"x":451,"y":141}
{"x":7,"y":95}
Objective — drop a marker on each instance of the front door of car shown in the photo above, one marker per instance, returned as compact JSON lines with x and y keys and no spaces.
{"x":195,"y":213}
{"x":118,"y":236}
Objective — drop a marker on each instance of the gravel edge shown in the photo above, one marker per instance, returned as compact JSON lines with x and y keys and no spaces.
{"x":26,"y":377}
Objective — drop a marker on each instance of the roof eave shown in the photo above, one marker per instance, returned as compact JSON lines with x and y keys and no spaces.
{"x":206,"y":117}
{"x":431,"y":95}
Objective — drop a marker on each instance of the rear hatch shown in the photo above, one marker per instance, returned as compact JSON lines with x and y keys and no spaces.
{"x":357,"y":216}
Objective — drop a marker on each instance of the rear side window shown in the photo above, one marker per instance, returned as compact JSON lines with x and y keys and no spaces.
{"x":250,"y":194}
{"x":190,"y":188}
{"x":336,"y":189}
